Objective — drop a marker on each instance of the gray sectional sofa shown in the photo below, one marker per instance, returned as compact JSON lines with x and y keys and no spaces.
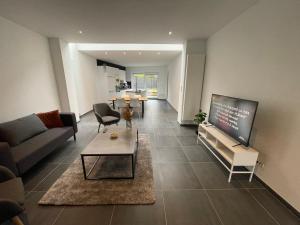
{"x":25,"y":141}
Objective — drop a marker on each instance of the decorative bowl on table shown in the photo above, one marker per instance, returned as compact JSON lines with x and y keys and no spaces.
{"x":114,"y":135}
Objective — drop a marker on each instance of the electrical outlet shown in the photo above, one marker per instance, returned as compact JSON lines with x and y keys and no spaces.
{"x":260,"y":163}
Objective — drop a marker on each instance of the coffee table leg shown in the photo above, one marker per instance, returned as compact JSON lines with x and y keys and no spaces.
{"x":134,"y":158}
{"x":143,"y":109}
{"x":132,"y":165}
{"x":83,"y":166}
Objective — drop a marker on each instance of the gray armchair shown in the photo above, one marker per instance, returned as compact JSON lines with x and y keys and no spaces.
{"x":105,"y":115}
{"x":11,"y":198}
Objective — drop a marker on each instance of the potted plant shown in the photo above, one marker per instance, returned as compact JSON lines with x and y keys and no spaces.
{"x":199,"y":118}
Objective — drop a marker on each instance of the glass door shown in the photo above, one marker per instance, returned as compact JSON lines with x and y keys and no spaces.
{"x":145,"y":83}
{"x":138,"y":82}
{"x":151,"y":85}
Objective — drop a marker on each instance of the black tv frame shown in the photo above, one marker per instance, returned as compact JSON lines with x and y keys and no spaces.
{"x":239,"y":141}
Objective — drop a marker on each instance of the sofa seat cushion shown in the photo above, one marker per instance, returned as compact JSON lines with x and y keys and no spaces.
{"x":31,"y":151}
{"x":13,"y":190}
{"x":19,"y":130}
{"x":109,"y":119}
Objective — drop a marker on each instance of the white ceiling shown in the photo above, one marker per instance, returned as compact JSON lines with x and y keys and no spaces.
{"x":127,"y":21}
{"x":133,"y":58}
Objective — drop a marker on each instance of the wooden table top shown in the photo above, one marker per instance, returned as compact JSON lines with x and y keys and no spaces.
{"x":128,"y":98}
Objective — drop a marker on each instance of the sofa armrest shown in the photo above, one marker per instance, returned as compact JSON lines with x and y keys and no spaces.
{"x":6,"y":174}
{"x":6,"y":158}
{"x":69,"y":119}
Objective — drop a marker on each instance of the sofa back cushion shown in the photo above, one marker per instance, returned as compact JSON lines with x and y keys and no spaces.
{"x":19,"y":130}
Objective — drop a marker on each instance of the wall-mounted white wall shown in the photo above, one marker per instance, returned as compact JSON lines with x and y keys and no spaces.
{"x":65,"y":63}
{"x":161,"y":71}
{"x":56,"y":55}
{"x":82,"y":82}
{"x":174,"y":74}
{"x":257,"y":56}
{"x":71,"y":67}
{"x":27,"y":81}
{"x":193,"y":61}
{"x":192,"y":87}
{"x":90,"y":83}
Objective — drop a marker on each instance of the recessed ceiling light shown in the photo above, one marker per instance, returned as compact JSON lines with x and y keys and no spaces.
{"x":80,"y":32}
{"x":140,"y":53}
{"x":105,"y":53}
{"x":124,"y":53}
{"x":170,"y":33}
{"x":158,"y":53}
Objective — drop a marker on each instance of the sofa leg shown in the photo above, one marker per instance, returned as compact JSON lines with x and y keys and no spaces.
{"x":74,"y":137}
{"x":99,"y":127}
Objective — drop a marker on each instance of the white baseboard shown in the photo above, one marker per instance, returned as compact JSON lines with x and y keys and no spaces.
{"x":187,"y":122}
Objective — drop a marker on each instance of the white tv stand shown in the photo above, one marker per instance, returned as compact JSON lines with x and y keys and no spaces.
{"x":235,"y":155}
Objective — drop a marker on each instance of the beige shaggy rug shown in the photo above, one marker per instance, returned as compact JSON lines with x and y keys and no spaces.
{"x":72,"y":189}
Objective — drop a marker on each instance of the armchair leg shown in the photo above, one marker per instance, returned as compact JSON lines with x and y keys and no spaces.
{"x":99,"y":127}
{"x":74,"y":137}
{"x":17,"y":221}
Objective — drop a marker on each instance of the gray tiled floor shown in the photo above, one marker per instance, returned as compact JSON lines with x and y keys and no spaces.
{"x":191,"y":187}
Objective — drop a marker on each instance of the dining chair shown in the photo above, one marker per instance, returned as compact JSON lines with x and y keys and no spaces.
{"x":120,"y":104}
{"x":144,"y":93}
{"x":135,"y":105}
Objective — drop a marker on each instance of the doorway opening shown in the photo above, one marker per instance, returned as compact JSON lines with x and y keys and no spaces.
{"x":145,"y":83}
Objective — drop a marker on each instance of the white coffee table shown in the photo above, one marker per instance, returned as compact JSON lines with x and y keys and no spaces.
{"x":125,"y":145}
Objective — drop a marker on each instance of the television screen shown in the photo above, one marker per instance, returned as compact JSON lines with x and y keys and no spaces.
{"x":234,"y":116}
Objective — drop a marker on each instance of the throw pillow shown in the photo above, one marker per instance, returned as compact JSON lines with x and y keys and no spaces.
{"x":51,"y":119}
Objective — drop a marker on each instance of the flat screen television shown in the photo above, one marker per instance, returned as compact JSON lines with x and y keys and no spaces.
{"x":234,"y":116}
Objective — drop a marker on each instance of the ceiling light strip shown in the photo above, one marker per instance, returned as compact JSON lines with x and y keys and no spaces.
{"x":129,"y":47}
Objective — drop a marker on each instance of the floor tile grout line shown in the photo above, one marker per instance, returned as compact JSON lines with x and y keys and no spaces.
{"x":283,"y":205}
{"x":210,"y":201}
{"x":58,"y":215}
{"x":261,"y":205}
{"x":181,"y":145}
{"x":208,"y":189}
{"x":214,"y":208}
{"x":178,"y":162}
{"x":164,"y":206}
{"x":112,"y":214}
{"x":58,"y":164}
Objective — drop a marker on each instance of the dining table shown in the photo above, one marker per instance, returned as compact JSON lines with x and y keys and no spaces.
{"x":142,"y":99}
